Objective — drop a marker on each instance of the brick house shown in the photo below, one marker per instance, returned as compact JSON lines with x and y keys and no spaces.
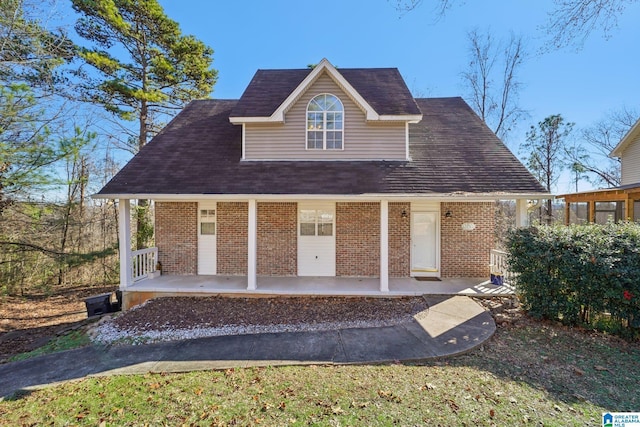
{"x":324,"y":172}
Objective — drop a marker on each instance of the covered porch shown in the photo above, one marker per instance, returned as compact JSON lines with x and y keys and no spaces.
{"x":599,"y":206}
{"x":158,"y":286}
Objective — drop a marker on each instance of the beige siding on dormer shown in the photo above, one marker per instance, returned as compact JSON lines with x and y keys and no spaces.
{"x":362,"y":140}
{"x":631,"y":163}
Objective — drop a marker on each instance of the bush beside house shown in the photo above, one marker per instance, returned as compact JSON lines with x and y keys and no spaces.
{"x":585,"y":275}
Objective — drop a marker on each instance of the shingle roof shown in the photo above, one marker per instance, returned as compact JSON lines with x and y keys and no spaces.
{"x":199,"y":152}
{"x":383,"y":88}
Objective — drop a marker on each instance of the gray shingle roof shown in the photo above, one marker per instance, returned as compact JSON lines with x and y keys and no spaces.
{"x":383,"y":88}
{"x":199,"y":152}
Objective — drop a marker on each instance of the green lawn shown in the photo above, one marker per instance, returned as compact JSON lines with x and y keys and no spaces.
{"x":526,"y":375}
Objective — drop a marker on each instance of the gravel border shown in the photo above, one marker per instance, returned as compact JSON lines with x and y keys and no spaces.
{"x":181,"y":318}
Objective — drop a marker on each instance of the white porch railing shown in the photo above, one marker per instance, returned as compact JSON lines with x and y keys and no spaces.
{"x":499,"y":265}
{"x":143,"y":263}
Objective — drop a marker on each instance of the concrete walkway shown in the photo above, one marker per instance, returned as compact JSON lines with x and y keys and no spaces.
{"x":452,"y":325}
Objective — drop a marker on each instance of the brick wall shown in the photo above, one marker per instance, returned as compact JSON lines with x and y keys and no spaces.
{"x":358,"y":239}
{"x":232,"y":241}
{"x":277,"y":239}
{"x":466,"y":253}
{"x":176,"y":229}
{"x":399,"y":240}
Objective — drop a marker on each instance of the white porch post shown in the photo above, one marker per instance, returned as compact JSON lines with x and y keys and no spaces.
{"x":124,"y":237}
{"x":252,"y":246}
{"x":384,"y":246}
{"x":522,"y":216}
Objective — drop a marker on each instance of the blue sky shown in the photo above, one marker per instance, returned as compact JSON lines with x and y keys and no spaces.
{"x":253,"y":34}
{"x":582,"y":85}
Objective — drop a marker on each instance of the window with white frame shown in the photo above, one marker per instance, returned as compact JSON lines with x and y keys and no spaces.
{"x":325,"y":123}
{"x":207,"y":221}
{"x":316,"y":222}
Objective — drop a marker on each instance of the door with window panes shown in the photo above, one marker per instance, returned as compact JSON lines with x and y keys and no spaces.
{"x":316,"y":239}
{"x":207,"y":238}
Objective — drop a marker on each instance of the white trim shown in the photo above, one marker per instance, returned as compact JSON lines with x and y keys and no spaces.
{"x":406,"y":136}
{"x":410,"y":118}
{"x":124,"y":239}
{"x":252,"y":246}
{"x":369,"y":197}
{"x":384,"y":246}
{"x":244,"y":146}
{"x":324,"y":65}
{"x":626,"y":140}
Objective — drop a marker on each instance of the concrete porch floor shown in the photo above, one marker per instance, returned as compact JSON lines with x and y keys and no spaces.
{"x":343,"y":286}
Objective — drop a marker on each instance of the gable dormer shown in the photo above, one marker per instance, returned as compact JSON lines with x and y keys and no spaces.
{"x":326,"y":114}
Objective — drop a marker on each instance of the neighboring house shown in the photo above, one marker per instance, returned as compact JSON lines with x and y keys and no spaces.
{"x":322,"y":172}
{"x":618,"y":203}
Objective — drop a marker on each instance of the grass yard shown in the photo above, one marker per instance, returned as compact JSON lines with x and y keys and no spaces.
{"x":527,"y":374}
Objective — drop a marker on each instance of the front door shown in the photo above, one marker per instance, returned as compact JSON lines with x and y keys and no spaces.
{"x":316,"y":239}
{"x":425,"y":258}
{"x":207,"y":238}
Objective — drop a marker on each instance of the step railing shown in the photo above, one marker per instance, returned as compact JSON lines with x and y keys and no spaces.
{"x":499,"y":265}
{"x":143,"y":263}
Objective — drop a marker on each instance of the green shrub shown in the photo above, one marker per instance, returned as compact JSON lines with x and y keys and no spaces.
{"x":579,"y":274}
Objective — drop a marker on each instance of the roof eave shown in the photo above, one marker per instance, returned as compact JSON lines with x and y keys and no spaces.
{"x":459,"y":196}
{"x":410,"y":118}
{"x":626,"y":140}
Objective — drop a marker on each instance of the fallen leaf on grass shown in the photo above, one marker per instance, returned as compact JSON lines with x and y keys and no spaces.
{"x":282,"y":406}
{"x":578,"y":371}
{"x":427,"y":386}
{"x":198,"y":391}
{"x":492,"y":413}
{"x":387,"y":395}
{"x":337,"y":410}
{"x":601,"y":368}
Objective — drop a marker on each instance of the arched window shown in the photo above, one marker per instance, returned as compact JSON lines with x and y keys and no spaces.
{"x":325,"y":122}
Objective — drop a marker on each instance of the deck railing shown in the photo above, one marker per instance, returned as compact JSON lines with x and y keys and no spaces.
{"x":143,"y":263}
{"x":499,"y":265}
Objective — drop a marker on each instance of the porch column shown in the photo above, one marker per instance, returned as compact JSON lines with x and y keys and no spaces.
{"x":628,"y":207}
{"x":252,"y":256}
{"x":522,"y":216}
{"x":124,"y":241}
{"x":384,"y":246}
{"x":567,"y":212}
{"x":591,"y":215}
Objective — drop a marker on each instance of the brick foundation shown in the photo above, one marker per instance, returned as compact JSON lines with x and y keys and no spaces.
{"x":466,"y":253}
{"x":277,"y":239}
{"x":399,"y":240}
{"x":358,"y":239}
{"x":232,"y":241}
{"x":176,"y":228}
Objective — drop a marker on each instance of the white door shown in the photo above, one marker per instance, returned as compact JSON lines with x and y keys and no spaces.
{"x":424,"y":244}
{"x":316,"y":239}
{"x":207,"y":238}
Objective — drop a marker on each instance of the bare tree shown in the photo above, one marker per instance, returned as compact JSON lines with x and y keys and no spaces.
{"x":572,"y":21}
{"x":492,"y":79}
{"x":599,"y":140}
